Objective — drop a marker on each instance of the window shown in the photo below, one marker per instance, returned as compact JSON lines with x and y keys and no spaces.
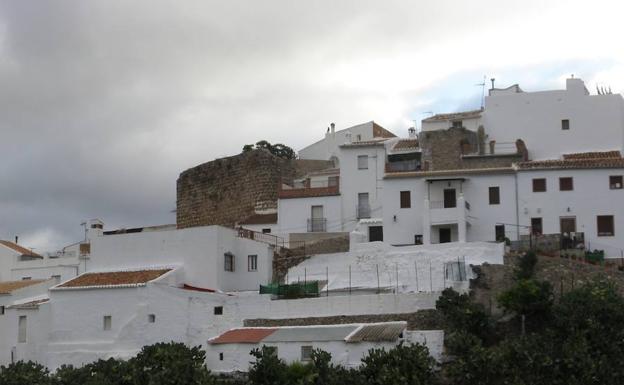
{"x":362,"y":162}
{"x":26,"y":278}
{"x":615,"y":182}
{"x":418,"y":239}
{"x":218,"y":310}
{"x":566,"y":184}
{"x":252,"y":262}
{"x":539,"y":185}
{"x":406,"y":200}
{"x":56,"y":278}
{"x":266,"y":231}
{"x":499,"y":233}
{"x":565,"y":124}
{"x":151,"y":318}
{"x":494,"y":193}
{"x":21,"y":329}
{"x":108,"y":322}
{"x":536,"y":226}
{"x":605,"y":226}
{"x":457,"y":124}
{"x":358,"y":137}
{"x":220,"y":356}
{"x":229,"y":261}
{"x":306,"y":353}
{"x":1,"y":310}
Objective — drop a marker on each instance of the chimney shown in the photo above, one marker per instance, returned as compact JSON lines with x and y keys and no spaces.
{"x":411,"y":132}
{"x":16,"y":239}
{"x":333,"y":128}
{"x":95,"y":229}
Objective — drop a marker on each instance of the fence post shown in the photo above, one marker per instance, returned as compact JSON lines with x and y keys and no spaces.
{"x":305,"y":280}
{"x":349,"y":279}
{"x":396,"y":265}
{"x":430,"y":277}
{"x":378,"y":289}
{"x":444,"y":272}
{"x":327,"y":278}
{"x":416,"y":272}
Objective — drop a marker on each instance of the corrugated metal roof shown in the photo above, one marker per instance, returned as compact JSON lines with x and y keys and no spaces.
{"x":243,"y":336}
{"x":311,"y":333}
{"x":381,"y":332}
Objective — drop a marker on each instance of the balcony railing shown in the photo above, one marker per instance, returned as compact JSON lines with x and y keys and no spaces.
{"x":403,"y":166}
{"x":363,"y":212}
{"x":317,"y":225}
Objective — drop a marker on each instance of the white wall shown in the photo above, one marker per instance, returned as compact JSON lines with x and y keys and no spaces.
{"x":471,"y":124}
{"x":596,"y":121}
{"x":591,"y":197}
{"x":327,"y":147}
{"x":293,"y":213}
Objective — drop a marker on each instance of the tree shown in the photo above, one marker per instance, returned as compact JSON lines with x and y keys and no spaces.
{"x":528,"y":297}
{"x":404,"y":364}
{"x":21,"y":373}
{"x":526,"y":265}
{"x":279,"y":150}
{"x":268,"y":369}
{"x":461,"y":313}
{"x":100,"y":372}
{"x":170,"y":363}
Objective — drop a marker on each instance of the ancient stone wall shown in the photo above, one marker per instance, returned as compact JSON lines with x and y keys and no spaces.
{"x":229,"y":190}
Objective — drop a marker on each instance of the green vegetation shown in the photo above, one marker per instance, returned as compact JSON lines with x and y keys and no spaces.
{"x":278,"y":149}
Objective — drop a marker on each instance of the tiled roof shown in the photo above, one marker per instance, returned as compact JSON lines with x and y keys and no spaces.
{"x":113,"y":279}
{"x":463,"y":171}
{"x":454,"y":116}
{"x":610,"y":159}
{"x":593,"y":155}
{"x":20,"y":249}
{"x":260,"y":219}
{"x":243,"y":336}
{"x":364,"y":143}
{"x":8,"y":287}
{"x":30,"y":304}
{"x":379,"y":332}
{"x":380,"y":132}
{"x":406,"y":144}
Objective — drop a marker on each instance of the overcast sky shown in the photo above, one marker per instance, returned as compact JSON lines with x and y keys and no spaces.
{"x":104,"y":103}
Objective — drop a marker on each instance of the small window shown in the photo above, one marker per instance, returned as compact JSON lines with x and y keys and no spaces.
{"x":26,"y":278}
{"x":108,"y":322}
{"x":2,"y":310}
{"x":56,"y":278}
{"x":566,"y":184}
{"x":494,"y":193}
{"x":151,"y":318}
{"x":229,"y":261}
{"x":362,"y":162}
{"x":539,"y":185}
{"x":418,"y":239}
{"x":306,"y":353}
{"x":252,"y":262}
{"x":615,"y":182}
{"x":358,"y":137}
{"x":457,"y":124}
{"x":21,"y":329}
{"x":499,"y":233}
{"x":220,"y":356}
{"x":565,"y":124}
{"x":536,"y":226}
{"x":218,"y":310}
{"x":406,"y":200}
{"x":605,"y":226}
{"x":266,"y":231}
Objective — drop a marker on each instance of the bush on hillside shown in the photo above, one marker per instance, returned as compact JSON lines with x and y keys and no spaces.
{"x":21,"y":373}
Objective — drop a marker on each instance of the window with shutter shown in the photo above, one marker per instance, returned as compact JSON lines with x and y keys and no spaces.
{"x":605,"y":226}
{"x":566,"y":184}
{"x":494,"y":195}
{"x":406,"y":200}
{"x":539,"y":185}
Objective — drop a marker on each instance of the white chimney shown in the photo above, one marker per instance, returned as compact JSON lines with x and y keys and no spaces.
{"x":411,"y":133}
{"x":333,"y":128}
{"x":95,"y":229}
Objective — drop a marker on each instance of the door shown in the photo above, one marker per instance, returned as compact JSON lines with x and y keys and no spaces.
{"x":567,"y":225}
{"x":499,"y":231}
{"x":536,"y":226}
{"x":317,"y":221}
{"x":363,"y":206}
{"x":445,"y":234}
{"x":450,"y":199}
{"x":375,"y":233}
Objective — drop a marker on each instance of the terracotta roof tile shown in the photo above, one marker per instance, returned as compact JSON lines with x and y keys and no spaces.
{"x":379,"y":332}
{"x":454,"y":116}
{"x":8,"y":287}
{"x":243,"y":336}
{"x":593,"y":155}
{"x":406,"y":144}
{"x":20,"y":249}
{"x":113,"y":279}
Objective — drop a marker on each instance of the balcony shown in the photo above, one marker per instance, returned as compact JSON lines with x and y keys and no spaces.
{"x":363,"y":212}
{"x":403,"y":166}
{"x":441,"y":212}
{"x":317,"y":225}
{"x":310,"y":189}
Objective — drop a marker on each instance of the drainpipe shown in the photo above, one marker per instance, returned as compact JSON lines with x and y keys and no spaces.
{"x":517,"y":207}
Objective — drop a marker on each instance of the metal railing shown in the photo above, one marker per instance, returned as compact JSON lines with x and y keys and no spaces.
{"x":317,"y":225}
{"x":402,"y":166}
{"x":363,"y":212}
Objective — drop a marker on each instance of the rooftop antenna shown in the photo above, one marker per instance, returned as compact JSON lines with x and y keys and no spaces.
{"x":482,"y":84}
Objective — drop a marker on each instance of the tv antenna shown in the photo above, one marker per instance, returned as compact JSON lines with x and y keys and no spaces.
{"x":482,"y":84}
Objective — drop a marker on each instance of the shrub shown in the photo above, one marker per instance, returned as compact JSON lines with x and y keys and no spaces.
{"x":170,"y":363}
{"x":268,"y":369}
{"x":461,"y":313}
{"x":21,"y":373}
{"x":526,"y":265}
{"x":405,"y":364}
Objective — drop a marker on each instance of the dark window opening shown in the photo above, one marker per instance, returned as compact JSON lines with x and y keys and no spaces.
{"x":450,"y":198}
{"x":266,"y":231}
{"x":565,"y":124}
{"x":615,"y":182}
{"x":605,"y":226}
{"x":539,"y":185}
{"x":499,"y":233}
{"x":536,"y":226}
{"x":220,"y":356}
{"x":566,"y":184}
{"x":406,"y":199}
{"x":218,"y":310}
{"x":494,"y":195}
